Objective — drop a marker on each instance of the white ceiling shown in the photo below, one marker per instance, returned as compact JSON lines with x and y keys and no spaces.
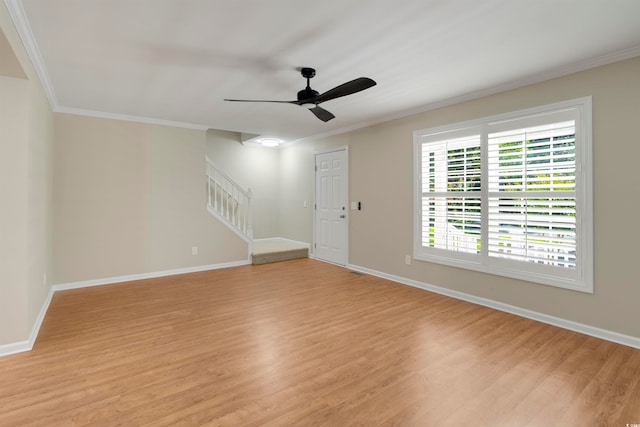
{"x":175,"y":61}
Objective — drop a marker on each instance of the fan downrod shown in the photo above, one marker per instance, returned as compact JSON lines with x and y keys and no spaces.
{"x":307,"y":94}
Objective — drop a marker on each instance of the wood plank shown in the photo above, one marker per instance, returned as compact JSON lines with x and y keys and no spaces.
{"x":306,"y":343}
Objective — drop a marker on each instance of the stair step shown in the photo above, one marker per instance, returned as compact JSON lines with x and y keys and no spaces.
{"x":277,"y":249}
{"x":269,"y":257}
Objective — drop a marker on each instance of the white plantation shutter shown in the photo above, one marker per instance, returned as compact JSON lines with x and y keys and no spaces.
{"x":509,"y":195}
{"x":532,"y":197}
{"x":451,"y":202}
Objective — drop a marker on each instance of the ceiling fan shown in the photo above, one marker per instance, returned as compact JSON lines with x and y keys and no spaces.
{"x":310,"y":98}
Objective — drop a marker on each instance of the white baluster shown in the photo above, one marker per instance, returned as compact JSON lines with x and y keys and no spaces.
{"x":249,"y":214}
{"x":229,"y":200}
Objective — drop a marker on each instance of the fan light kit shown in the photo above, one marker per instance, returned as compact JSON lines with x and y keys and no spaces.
{"x":309,"y":98}
{"x":269,"y":142}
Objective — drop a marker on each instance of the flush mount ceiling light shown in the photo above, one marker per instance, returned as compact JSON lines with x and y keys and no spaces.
{"x":270,"y":142}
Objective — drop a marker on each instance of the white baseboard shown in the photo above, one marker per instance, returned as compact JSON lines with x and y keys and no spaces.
{"x":43,"y":312}
{"x":22,"y":346}
{"x":604,"y":334}
{"x":27,"y":345}
{"x":14,"y":347}
{"x":131,"y":277}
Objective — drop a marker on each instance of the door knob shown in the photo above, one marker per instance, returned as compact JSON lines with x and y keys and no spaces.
{"x":342,"y":216}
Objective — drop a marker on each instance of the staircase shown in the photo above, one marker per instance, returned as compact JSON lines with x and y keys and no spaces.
{"x":231,"y":204}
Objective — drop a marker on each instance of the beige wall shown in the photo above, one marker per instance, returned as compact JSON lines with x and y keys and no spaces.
{"x":381,"y":178}
{"x":251,"y":167}
{"x":26,"y":138}
{"x":295,"y":183}
{"x":40,"y":201}
{"x":130,"y":198}
{"x":13,"y":215}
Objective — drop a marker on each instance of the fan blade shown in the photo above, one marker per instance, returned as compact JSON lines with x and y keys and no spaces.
{"x":261,"y":100}
{"x":348,"y":88}
{"x":322,"y":114}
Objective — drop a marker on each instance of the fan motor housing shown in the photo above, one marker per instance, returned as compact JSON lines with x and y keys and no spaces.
{"x":307,"y":94}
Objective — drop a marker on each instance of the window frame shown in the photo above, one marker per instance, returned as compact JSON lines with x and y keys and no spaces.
{"x":580,"y":278}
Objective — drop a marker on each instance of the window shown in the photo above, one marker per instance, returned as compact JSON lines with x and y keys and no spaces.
{"x":509,"y":195}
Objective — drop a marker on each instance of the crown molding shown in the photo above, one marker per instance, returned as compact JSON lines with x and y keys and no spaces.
{"x":575,"y":67}
{"x":128,"y":118}
{"x":19,"y":18}
{"x":572,"y":68}
{"x":21,"y":23}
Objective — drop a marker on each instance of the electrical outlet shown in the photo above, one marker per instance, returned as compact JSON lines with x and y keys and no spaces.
{"x":194,"y":250}
{"x":304,"y":204}
{"x":407,"y":259}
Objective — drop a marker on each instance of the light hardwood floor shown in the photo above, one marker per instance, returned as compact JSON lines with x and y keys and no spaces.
{"x":307,"y":343}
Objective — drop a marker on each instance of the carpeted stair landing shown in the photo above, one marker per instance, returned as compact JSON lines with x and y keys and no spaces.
{"x":274,"y":250}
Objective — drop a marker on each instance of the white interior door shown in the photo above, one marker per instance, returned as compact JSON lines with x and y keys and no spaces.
{"x":331,"y":207}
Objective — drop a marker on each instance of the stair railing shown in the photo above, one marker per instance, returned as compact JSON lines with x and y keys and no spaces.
{"x":229,"y":202}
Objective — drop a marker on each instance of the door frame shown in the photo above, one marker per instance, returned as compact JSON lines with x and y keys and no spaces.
{"x":344,"y":148}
